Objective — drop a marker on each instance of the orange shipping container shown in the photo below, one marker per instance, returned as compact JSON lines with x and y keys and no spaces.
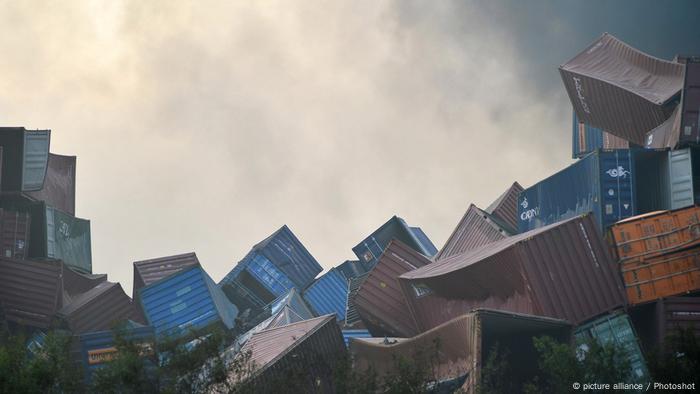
{"x":653,"y":234}
{"x":663,"y":276}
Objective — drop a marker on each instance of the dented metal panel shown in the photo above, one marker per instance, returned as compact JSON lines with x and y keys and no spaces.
{"x":505,"y":208}
{"x":58,"y":189}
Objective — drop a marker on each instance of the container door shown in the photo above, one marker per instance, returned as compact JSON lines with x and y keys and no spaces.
{"x":681,"y":178}
{"x":35,"y":160}
{"x":616,"y":181}
{"x":690,"y":104}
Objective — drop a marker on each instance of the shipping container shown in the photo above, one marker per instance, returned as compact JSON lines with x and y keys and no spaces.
{"x":617,"y":88}
{"x":616,"y":329}
{"x":98,"y":348}
{"x":269,"y":270}
{"x":30,"y":291}
{"x":14,"y":233}
{"x":316,"y":344}
{"x":587,"y":139}
{"x":59,"y":184}
{"x":99,"y":308}
{"x":562,"y":271}
{"x":351,"y":269}
{"x":352,"y":318}
{"x":662,"y":276}
{"x":654,"y":322}
{"x":667,"y":134}
{"x":153,"y":270}
{"x":369,"y":250}
{"x":602,"y":182}
{"x":505,"y":209}
{"x":690,"y":103}
{"x":652,"y":234}
{"x":58,"y":235}
{"x":188,"y":300}
{"x":380,"y":302}
{"x":465,"y":344}
{"x":328,"y":294}
{"x":25,"y":156}
{"x":349,"y":334}
{"x":77,"y":282}
{"x":476,"y":228}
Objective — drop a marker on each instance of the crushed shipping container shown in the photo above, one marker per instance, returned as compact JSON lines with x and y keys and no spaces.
{"x":25,"y":155}
{"x":99,"y":308}
{"x":77,"y":282}
{"x":328,"y":294}
{"x":476,"y":228}
{"x":31,"y":292}
{"x":464,"y":346}
{"x":316,"y":345}
{"x":369,"y":250}
{"x":587,"y":139}
{"x":14,"y":233}
{"x":269,"y":270}
{"x":562,"y":271}
{"x":187,"y":300}
{"x":617,"y":88}
{"x":153,"y":270}
{"x":379,"y":300}
{"x":616,"y":329}
{"x":652,"y":234}
{"x":505,"y":208}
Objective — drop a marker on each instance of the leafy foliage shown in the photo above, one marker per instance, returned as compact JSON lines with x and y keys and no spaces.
{"x":679,"y":360}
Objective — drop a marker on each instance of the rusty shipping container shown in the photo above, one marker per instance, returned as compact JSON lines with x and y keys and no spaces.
{"x":14,"y":233}
{"x":317,"y":344}
{"x":653,"y":234}
{"x":666,"y":275}
{"x":466,"y":343}
{"x":30,"y":291}
{"x":477,"y":228}
{"x":152,"y":270}
{"x":97,"y":309}
{"x":655,"y":321}
{"x":379,"y":300}
{"x":563,"y":270}
{"x":505,"y":208}
{"x":617,"y":88}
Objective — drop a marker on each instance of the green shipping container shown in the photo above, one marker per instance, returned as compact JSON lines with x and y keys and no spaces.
{"x":59,"y":235}
{"x":616,"y":328}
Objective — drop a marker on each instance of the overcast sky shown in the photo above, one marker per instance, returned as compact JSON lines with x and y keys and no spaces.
{"x":205,"y":126}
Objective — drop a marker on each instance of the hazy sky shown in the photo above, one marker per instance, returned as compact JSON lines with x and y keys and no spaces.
{"x":204,"y":126}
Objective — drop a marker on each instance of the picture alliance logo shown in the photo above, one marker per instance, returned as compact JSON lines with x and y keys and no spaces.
{"x":528,"y":214}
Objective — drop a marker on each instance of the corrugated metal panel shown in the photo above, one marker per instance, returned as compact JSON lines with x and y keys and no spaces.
{"x":667,"y":134}
{"x":75,"y":282}
{"x":619,"y":89}
{"x":424,"y":240}
{"x":25,"y":157}
{"x":351,"y":269}
{"x":187,"y":300}
{"x":98,"y":348}
{"x":677,"y":312}
{"x":617,"y":329}
{"x":690,"y":103}
{"x":380,"y":301}
{"x":152,"y":270}
{"x":97,"y":309}
{"x":317,"y":344}
{"x":663,"y":276}
{"x":602,"y":183}
{"x":475,"y":229}
{"x":30,"y":291}
{"x":14,"y":233}
{"x":369,"y":250}
{"x":351,"y":334}
{"x":36,"y":156}
{"x":505,"y":207}
{"x":587,"y":139}
{"x":562,"y":270}
{"x":681,"y":188}
{"x":352,"y":318}
{"x":58,"y":235}
{"x":465,"y":343}
{"x":268,"y":274}
{"x":59,"y":184}
{"x":328,"y":294}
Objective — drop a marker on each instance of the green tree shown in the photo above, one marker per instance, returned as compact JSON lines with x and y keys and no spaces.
{"x":679,"y":360}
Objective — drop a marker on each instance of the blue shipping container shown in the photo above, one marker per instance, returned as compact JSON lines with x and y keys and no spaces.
{"x":269,"y":275}
{"x":602,"y":182}
{"x":188,"y":300}
{"x":328,"y":294}
{"x":98,"y":348}
{"x":347,"y":334}
{"x":372,"y":247}
{"x":616,"y":329}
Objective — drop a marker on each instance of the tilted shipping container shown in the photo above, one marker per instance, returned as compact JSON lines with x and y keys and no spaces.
{"x":99,"y":308}
{"x":350,"y":334}
{"x":476,"y":228}
{"x":587,"y":139}
{"x":187,"y":300}
{"x":505,"y":208}
{"x":690,"y":103}
{"x":369,"y":250}
{"x":662,"y":276}
{"x":31,"y":292}
{"x":352,"y":317}
{"x":25,"y":156}
{"x":59,"y":184}
{"x":153,"y":270}
{"x":14,"y":233}
{"x":351,"y":269}
{"x":328,"y":294}
{"x":562,"y":271}
{"x":656,"y":321}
